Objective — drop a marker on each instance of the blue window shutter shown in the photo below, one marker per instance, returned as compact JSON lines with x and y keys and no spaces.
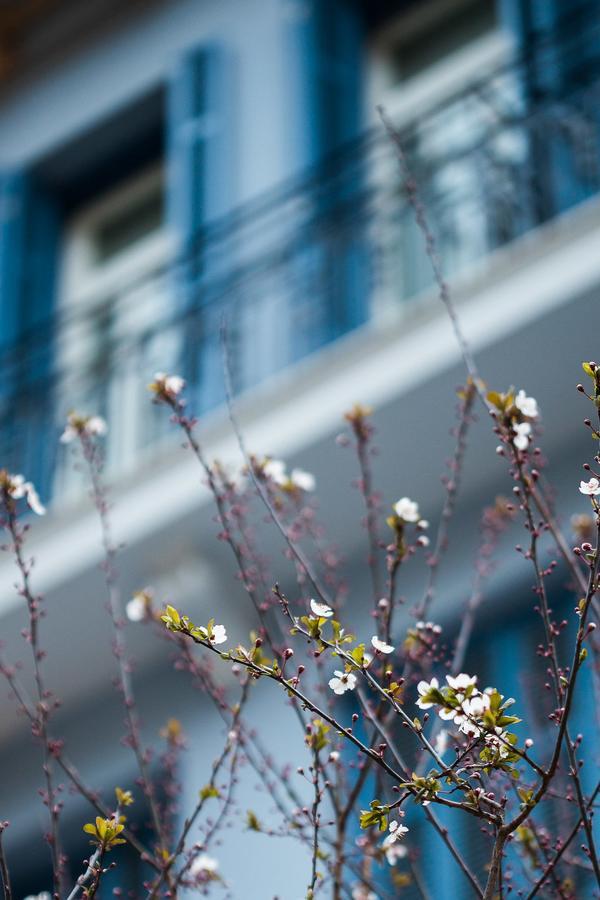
{"x":328,"y":41}
{"x":201,"y":152}
{"x":29,"y":233}
{"x":12,"y":244}
{"x":201,"y":160}
{"x":327,"y":50}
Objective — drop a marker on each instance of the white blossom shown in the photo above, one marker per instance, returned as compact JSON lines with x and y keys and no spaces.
{"x":93,"y":426}
{"x":204,"y":865}
{"x":33,"y":500}
{"x":136,"y":609}
{"x":423,"y":540}
{"x":275,"y":470}
{"x":424,"y":687}
{"x":96,"y":425}
{"x":395,"y":852}
{"x":44,"y":895}
{"x":219,"y":634}
{"x":303,"y":480}
{"x":171,"y":384}
{"x":321,"y":610}
{"x":447,"y":713}
{"x":17,"y":488}
{"x":461,"y":682}
{"x":499,"y":742}
{"x":342,"y":682}
{"x":360,"y":892}
{"x":527,"y":405}
{"x":397,"y":832}
{"x":68,"y":435}
{"x":591,"y":487}
{"x":476,"y":705}
{"x":468,"y":718}
{"x":381,"y":646}
{"x":423,"y":523}
{"x":522,"y":434}
{"x":407,"y":509}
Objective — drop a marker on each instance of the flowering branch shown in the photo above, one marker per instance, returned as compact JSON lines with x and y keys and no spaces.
{"x":13,"y":488}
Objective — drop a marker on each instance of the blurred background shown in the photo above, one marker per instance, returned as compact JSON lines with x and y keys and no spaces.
{"x":168,"y":163}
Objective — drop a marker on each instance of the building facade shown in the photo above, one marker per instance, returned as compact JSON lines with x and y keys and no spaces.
{"x":170,"y":165}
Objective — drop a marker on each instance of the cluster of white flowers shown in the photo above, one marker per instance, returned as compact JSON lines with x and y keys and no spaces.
{"x":591,"y":488}
{"x":275,"y":469}
{"x":92,"y":426}
{"x":472,"y":704}
{"x":428,"y":626}
{"x":528,"y":407}
{"x":342,"y":682}
{"x":17,"y":488}
{"x":498,"y":742}
{"x":471,"y":714}
{"x":44,"y":895}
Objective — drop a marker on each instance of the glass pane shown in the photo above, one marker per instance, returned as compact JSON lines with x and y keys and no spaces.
{"x":143,"y":216}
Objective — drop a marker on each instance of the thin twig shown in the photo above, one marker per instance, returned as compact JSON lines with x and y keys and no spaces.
{"x":4,"y":872}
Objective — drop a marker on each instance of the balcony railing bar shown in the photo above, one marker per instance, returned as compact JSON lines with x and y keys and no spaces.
{"x":334,"y":169}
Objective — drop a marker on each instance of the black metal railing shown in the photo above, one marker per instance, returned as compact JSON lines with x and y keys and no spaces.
{"x":298,"y":269}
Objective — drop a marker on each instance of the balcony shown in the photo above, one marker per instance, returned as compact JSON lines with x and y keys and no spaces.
{"x":295,"y":271}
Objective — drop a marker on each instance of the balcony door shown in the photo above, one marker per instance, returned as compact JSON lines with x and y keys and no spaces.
{"x":444,"y":77}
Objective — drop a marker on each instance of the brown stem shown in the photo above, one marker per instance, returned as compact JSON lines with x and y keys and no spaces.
{"x":90,"y":454}
{"x":568,"y":840}
{"x":4,"y":866}
{"x":42,"y":712}
{"x":495,"y":866}
{"x":452,"y":486}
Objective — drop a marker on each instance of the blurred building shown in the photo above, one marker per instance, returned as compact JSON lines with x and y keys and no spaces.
{"x":168,"y":165}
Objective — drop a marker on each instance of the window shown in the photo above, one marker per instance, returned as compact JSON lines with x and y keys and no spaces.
{"x":141,"y":216}
{"x":112,"y":228}
{"x":414,"y":50}
{"x":440,"y":72}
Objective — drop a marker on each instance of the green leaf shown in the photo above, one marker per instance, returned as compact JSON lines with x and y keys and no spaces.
{"x":377,"y":815}
{"x":358,"y":654}
{"x":252,"y":821}
{"x":495,"y":399}
{"x":209,"y":790}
